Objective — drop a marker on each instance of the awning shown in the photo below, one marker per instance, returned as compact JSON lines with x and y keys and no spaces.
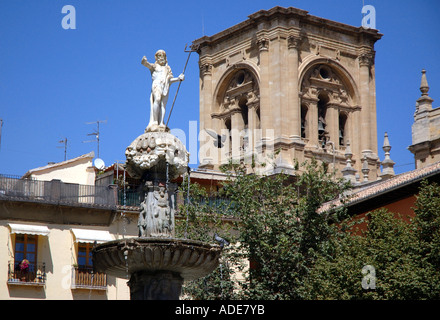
{"x":90,"y":236}
{"x":29,"y":229}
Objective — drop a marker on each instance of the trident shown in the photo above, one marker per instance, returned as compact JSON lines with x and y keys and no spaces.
{"x":180,"y":82}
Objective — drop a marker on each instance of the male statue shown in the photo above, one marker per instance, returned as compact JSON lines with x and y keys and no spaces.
{"x":162,"y":79}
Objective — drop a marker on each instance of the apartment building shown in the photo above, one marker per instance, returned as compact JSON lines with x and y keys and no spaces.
{"x":48,"y":229}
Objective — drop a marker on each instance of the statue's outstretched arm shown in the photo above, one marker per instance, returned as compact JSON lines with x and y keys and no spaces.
{"x":147,"y":64}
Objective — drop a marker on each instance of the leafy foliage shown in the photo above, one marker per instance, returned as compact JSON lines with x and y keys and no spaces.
{"x":404,"y":256}
{"x":277,"y":229}
{"x":283,"y":248}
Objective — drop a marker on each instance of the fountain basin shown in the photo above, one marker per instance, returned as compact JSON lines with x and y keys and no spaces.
{"x":189,"y":259}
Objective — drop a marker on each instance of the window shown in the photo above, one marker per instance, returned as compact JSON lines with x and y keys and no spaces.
{"x":85,"y":255}
{"x":240,"y":77}
{"x":84,"y":277}
{"x":304,"y":110}
{"x":342,"y":129}
{"x":324,"y":73}
{"x":25,"y":249}
{"x":244,"y":111}
{"x":24,"y":268}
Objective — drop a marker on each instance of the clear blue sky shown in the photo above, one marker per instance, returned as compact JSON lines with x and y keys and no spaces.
{"x":53,"y":81}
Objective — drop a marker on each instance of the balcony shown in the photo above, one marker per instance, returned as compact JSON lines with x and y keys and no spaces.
{"x":129,"y":197}
{"x":34,"y":275}
{"x":85,"y":278}
{"x":56,"y":192}
{"x":219,"y":205}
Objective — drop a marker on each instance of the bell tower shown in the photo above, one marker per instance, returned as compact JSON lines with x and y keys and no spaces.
{"x":291,"y":85}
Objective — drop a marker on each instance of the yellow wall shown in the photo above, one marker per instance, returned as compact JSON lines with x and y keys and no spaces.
{"x":80,"y":171}
{"x":58,"y":250}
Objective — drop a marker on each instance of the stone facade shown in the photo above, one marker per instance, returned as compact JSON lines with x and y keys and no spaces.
{"x":426,"y":129}
{"x":289,"y":81}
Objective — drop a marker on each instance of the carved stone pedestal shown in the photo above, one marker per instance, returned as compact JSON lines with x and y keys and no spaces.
{"x":160,"y":285}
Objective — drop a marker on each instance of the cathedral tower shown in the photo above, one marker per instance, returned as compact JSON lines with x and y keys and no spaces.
{"x":287,"y":81}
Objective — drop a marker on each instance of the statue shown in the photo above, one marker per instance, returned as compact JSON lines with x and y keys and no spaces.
{"x":156,"y":217}
{"x":162,"y":79}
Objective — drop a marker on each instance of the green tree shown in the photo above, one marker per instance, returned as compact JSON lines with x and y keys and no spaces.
{"x":295,"y":252}
{"x":427,"y":222}
{"x":404,"y":256}
{"x":277,"y":228}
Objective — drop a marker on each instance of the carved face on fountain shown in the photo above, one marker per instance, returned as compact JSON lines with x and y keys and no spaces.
{"x":162,"y":197}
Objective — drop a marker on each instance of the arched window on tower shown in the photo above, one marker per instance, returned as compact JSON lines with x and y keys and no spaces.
{"x":244,"y":134}
{"x":258,"y":124}
{"x":242,"y":103}
{"x":238,"y":102}
{"x":304,"y":124}
{"x":342,"y":129}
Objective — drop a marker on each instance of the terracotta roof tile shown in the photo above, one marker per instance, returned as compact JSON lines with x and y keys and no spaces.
{"x":380,"y":187}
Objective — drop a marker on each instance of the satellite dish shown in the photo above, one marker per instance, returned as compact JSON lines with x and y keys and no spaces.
{"x":99,"y":164}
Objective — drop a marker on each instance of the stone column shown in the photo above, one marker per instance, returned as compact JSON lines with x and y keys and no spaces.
{"x":332,"y":118}
{"x":205,"y":101}
{"x":265,"y":112}
{"x":206,"y":97}
{"x":237,"y":126}
{"x":373,"y":112}
{"x":364,"y":65}
{"x":313,"y":122}
{"x":294,"y":105}
{"x":355,"y":138}
{"x":253,"y":125}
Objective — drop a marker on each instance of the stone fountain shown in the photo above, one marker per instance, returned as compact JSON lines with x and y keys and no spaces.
{"x":156,"y":262}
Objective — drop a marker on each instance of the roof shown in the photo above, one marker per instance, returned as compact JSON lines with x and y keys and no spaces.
{"x":89,"y":155}
{"x":401,"y":185}
{"x":292,"y":12}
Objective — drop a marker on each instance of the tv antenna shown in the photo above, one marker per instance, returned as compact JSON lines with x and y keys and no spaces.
{"x":95,"y":133}
{"x":1,"y":125}
{"x":64,"y":141}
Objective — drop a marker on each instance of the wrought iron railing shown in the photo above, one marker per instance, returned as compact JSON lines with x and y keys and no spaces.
{"x":85,"y":278}
{"x":220,"y":205}
{"x":129,"y":197}
{"x":34,"y":274}
{"x":56,"y":191}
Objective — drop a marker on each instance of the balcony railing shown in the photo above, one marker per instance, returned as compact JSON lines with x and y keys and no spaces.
{"x":220,"y":205}
{"x":85,"y":278}
{"x":57,"y":192}
{"x":130,"y":197}
{"x":33,"y":275}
